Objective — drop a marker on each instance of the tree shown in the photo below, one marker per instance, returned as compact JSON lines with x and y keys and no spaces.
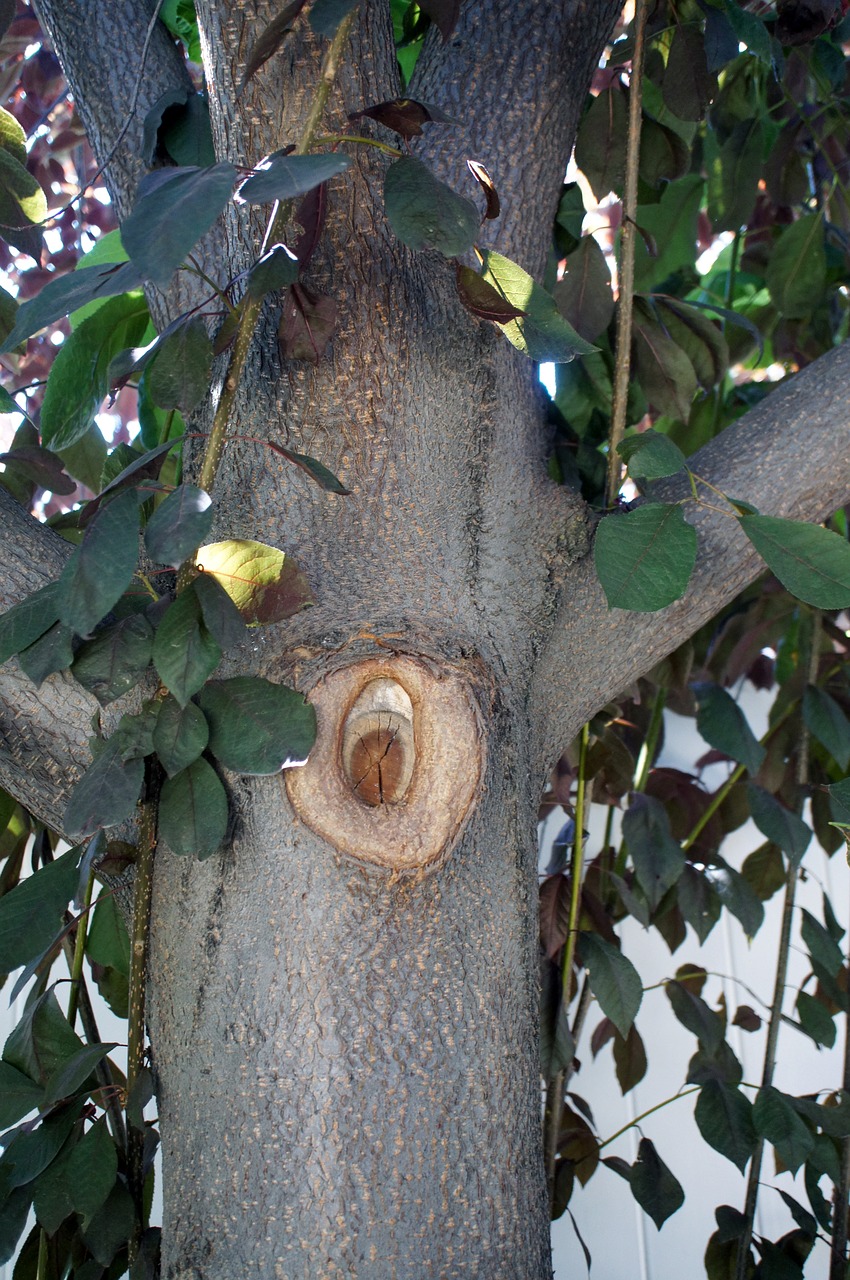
{"x":343,"y":1001}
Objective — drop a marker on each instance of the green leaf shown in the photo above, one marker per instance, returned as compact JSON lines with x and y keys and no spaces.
{"x":687,"y":85}
{"x":778,"y":824}
{"x":107,"y":940}
{"x":175,"y":208}
{"x":672,"y":226}
{"x":764,"y":871}
{"x":257,"y":727}
{"x":221,"y":617}
{"x":264,"y":584}
{"x":78,"y":381}
{"x":750,"y":31}
{"x":14,"y":1211}
{"x":22,"y":625}
{"x":724,"y":1117}
{"x":135,"y":473}
{"x":723,"y":725}
{"x":193,"y":811}
{"x":822,"y":947}
{"x":324,"y":478}
{"x":179,"y":525}
{"x":109,"y":1229}
{"x":31,"y":1151}
{"x":31,"y":915}
{"x":106,"y":793}
{"x":601,"y":141}
{"x":654,"y":1187}
{"x":18,"y":1095}
{"x":42,"y":1040}
{"x":737,"y":896}
{"x":810,"y":562}
{"x":734,"y":170}
{"x":584,"y":295}
{"x":275,"y":270}
{"x":613,"y":980}
{"x":665,"y":372}
{"x":179,"y":123}
{"x":827,"y":722}
{"x":181,"y":734}
{"x":68,"y":292}
{"x":51,"y":1192}
{"x":698,"y":902}
{"x":287,"y":176}
{"x":629,"y":1060}
{"x":657,"y":858}
{"x":12,"y":137}
{"x":22,"y":203}
{"x":796,"y":268}
{"x":50,"y":653}
{"x":694,"y":1014}
{"x":651,"y":455}
{"x":67,"y":1079}
{"x":815,"y":1020}
{"x":541,"y":332}
{"x":425,"y":213}
{"x":645,"y":558}
{"x":326,"y":15}
{"x":700,"y":339}
{"x":776,"y":1120}
{"x":134,"y":735}
{"x":115,"y":659}
{"x":92,"y":1169}
{"x":180,"y":372}
{"x":184,"y":652}
{"x":101,"y":568}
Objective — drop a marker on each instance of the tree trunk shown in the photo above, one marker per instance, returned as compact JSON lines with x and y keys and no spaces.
{"x":344,"y":1027}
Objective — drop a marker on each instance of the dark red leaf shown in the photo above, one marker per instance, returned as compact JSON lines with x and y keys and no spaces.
{"x":554,"y":913}
{"x":41,"y":467}
{"x":746,"y":1018}
{"x":482,"y":299}
{"x":307,"y":324}
{"x":403,"y":115}
{"x":310,"y":216}
{"x":443,"y":13}
{"x":270,"y":39}
{"x":482,"y":177}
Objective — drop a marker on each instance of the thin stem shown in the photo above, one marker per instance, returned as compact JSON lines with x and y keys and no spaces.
{"x":841,"y":1193}
{"x":196,"y":270}
{"x":102,"y":1071}
{"x":650,"y":742}
{"x":138,"y":984}
{"x":625,"y":304}
{"x":643,"y":1115}
{"x":41,"y":1265}
{"x":79,"y":952}
{"x":334,"y":138}
{"x":775,"y":1019}
{"x":577,"y":1027}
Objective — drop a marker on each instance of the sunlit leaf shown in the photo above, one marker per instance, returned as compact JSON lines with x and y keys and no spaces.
{"x":645,"y":558}
{"x":193,"y":811}
{"x":264,"y":584}
{"x":810,"y":562}
{"x":541,"y":332}
{"x":22,"y":204}
{"x":257,"y":727}
{"x":221,"y":616}
{"x":484,"y":299}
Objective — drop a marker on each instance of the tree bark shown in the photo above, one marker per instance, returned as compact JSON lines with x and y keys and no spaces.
{"x":346,"y":1055}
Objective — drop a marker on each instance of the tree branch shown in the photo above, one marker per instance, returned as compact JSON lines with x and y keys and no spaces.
{"x":789,"y":457}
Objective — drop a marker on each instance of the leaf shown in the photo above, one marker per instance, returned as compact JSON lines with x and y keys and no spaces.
{"x":274,"y":270}
{"x":825,"y":719}
{"x":694,"y":1014}
{"x":180,"y":372}
{"x":174,"y":209}
{"x":778,"y":824}
{"x":264,"y":584}
{"x":30,"y":1151}
{"x":737,"y":896}
{"x":554,"y":913}
{"x":22,"y":204}
{"x":257,"y":727}
{"x":776,"y":1120}
{"x":42,"y":1040}
{"x":326,"y":15}
{"x":425,"y":213}
{"x":654,"y":1187}
{"x":68,"y":292}
{"x":12,"y":137}
{"x":796,"y":268}
{"x":22,"y":625}
{"x":541,"y":332}
{"x":600,"y":150}
{"x":107,"y":940}
{"x":657,"y":858}
{"x":14,"y":1212}
{"x":114,"y":661}
{"x":494,"y":205}
{"x":181,"y":734}
{"x":614,"y":981}
{"x":70,"y":1077}
{"x":723,"y":725}
{"x":664,"y":370}
{"x":106,"y":793}
{"x":50,"y":653}
{"x":306,"y":325}
{"x":179,"y":525}
{"x":78,"y":381}
{"x":698,"y":337}
{"x":405,"y":116}
{"x":810,"y":562}
{"x":286,"y":176}
{"x":178,"y":126}
{"x":764,"y":871}
{"x":651,"y":455}
{"x":134,"y":475}
{"x":484,"y":299}
{"x":645,"y":558}
{"x":184,"y":652}
{"x":687,"y":85}
{"x":750,"y":31}
{"x":270,"y":40}
{"x":584,"y":295}
{"x":698,"y":903}
{"x":724,"y":1117}
{"x":822,"y":947}
{"x":18,"y":1095}
{"x":101,"y":568}
{"x":109,"y":1229}
{"x":317,"y":471}
{"x":734,"y":170}
{"x":672,"y":226}
{"x":40,"y":466}
{"x":629,"y":1059}
{"x":92,"y":1169}
{"x":664,"y":155}
{"x":193,"y":811}
{"x":444,"y":14}
{"x":31,"y":915}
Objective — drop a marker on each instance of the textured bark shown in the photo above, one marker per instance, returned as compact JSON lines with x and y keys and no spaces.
{"x":347,"y":1058}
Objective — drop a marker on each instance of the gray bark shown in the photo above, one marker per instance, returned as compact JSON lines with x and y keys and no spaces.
{"x":347,"y":1061}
